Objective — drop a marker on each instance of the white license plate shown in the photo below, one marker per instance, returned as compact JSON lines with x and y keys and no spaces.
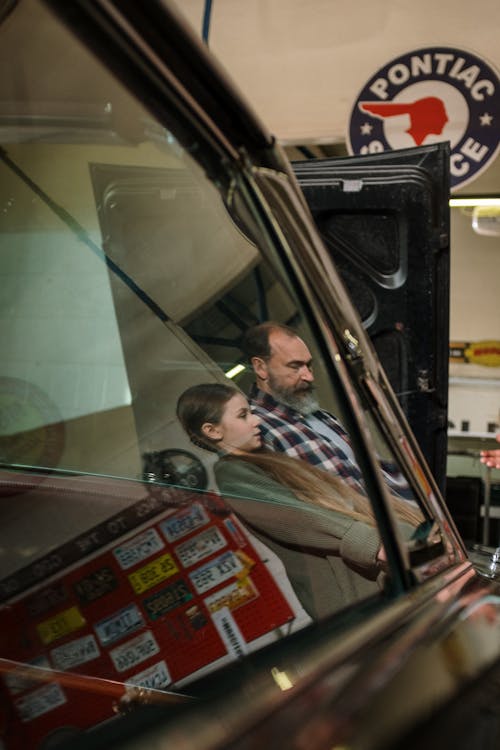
{"x":184,"y":522}
{"x":139,"y":548}
{"x":16,"y":683}
{"x":75,"y":652}
{"x":119,"y":624}
{"x":155,"y":677}
{"x":134,"y":652}
{"x":40,"y":701}
{"x":220,"y":569}
{"x":200,"y":546}
{"x":230,"y":633}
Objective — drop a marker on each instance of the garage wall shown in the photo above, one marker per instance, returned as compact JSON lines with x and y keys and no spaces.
{"x":302,"y":62}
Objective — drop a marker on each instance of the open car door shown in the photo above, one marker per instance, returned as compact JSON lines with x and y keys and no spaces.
{"x":385,"y":220}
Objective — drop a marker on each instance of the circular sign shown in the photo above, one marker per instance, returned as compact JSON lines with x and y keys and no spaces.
{"x":428,"y":96}
{"x":31,"y":427}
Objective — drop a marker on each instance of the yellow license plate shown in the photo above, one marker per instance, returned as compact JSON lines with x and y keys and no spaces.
{"x":56,"y":627}
{"x":154,"y":572}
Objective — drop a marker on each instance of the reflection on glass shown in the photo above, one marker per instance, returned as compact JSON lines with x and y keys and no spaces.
{"x":125,"y":281}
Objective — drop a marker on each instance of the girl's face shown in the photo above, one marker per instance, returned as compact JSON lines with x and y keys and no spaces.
{"x":238,"y":431}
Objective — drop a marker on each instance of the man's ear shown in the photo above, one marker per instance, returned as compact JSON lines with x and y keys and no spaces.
{"x":211,"y":431}
{"x":260,"y":367}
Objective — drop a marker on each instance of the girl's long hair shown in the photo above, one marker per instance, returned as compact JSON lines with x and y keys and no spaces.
{"x":206,"y":403}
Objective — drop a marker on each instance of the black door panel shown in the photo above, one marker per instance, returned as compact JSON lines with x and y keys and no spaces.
{"x":385,"y":220}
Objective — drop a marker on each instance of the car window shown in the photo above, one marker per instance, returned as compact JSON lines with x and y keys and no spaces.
{"x":129,"y":552}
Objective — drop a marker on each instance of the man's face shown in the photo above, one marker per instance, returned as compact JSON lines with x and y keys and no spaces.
{"x":287,"y":374}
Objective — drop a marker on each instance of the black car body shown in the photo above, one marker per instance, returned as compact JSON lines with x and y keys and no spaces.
{"x":147,"y":219}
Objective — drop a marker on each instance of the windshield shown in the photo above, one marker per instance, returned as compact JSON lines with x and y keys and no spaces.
{"x":143,"y":547}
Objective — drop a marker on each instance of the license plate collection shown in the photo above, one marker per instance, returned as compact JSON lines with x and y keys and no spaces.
{"x":176,"y":597}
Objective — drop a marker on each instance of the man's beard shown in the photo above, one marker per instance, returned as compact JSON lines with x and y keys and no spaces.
{"x":299,"y":399}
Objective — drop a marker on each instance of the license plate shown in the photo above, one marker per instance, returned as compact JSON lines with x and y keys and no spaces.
{"x":200,"y":546}
{"x":95,"y":585}
{"x":220,"y":569}
{"x":75,"y":652}
{"x":138,"y":549}
{"x":153,"y":573}
{"x":184,"y":522}
{"x":62,"y":624}
{"x":166,"y":599}
{"x":155,"y":677}
{"x":119,"y":624}
{"x":134,"y":652}
{"x":40,"y":701}
{"x":230,"y":633}
{"x":49,"y":598}
{"x":235,"y":532}
{"x":17,"y":683}
{"x":232,"y":596}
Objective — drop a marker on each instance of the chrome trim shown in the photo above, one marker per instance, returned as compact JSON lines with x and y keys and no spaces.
{"x":486,"y":560}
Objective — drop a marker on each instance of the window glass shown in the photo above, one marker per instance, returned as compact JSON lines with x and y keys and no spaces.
{"x":128,"y":550}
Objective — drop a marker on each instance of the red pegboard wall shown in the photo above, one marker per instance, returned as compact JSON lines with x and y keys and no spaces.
{"x":172,"y":598}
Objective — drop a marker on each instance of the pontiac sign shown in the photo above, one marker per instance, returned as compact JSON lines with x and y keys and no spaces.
{"x":431,"y":95}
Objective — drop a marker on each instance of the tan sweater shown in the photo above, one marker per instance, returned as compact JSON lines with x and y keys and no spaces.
{"x":330,"y":558}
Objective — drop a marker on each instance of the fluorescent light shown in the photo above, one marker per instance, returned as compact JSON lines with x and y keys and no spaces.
{"x":234,"y":371}
{"x":471,"y":201}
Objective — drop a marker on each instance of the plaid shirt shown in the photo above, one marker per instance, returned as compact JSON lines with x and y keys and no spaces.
{"x":286,"y":431}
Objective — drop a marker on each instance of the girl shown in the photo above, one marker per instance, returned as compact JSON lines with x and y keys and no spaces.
{"x":323,"y":531}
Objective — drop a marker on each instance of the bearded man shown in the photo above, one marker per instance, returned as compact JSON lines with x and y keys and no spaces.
{"x":283,"y":397}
